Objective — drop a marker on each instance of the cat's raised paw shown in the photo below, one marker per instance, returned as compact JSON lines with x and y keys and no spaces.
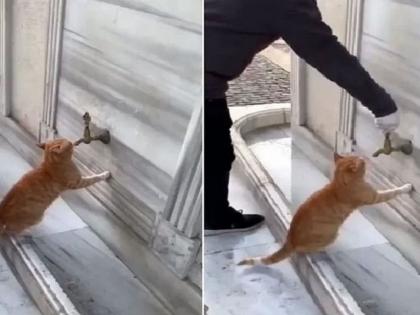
{"x":407,"y":188}
{"x":106,"y":174}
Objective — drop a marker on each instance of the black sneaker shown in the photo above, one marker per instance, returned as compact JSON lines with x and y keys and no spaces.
{"x":236,"y":222}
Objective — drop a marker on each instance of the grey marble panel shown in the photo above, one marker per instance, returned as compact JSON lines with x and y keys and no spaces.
{"x":389,"y":50}
{"x":94,"y":279}
{"x":137,"y":189}
{"x":380,"y":280}
{"x":138,"y":70}
{"x":136,"y":67}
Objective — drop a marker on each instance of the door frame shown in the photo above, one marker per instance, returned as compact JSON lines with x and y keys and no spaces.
{"x":303,"y":137}
{"x":47,"y":127}
{"x":345,"y":141}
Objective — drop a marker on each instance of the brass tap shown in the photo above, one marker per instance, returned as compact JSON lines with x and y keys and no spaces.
{"x":104,"y":136}
{"x":406,"y":148}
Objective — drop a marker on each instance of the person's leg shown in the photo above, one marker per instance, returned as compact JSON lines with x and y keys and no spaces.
{"x":219,"y":155}
{"x":218,"y":159}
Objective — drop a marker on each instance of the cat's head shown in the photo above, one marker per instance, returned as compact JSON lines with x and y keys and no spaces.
{"x":57,"y":150}
{"x":349,"y":168}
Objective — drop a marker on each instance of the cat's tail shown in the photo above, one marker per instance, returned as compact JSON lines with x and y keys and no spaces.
{"x":279,"y":255}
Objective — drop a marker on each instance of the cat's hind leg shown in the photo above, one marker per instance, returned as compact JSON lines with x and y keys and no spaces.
{"x":86,"y":181}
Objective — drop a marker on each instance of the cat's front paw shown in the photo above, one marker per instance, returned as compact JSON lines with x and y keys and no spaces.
{"x":105,"y":175}
{"x":406,"y":188}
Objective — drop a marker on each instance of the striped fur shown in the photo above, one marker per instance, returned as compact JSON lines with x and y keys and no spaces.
{"x":26,"y":202}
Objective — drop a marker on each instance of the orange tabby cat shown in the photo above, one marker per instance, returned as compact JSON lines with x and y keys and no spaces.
{"x":317,"y":221}
{"x":24,"y":205}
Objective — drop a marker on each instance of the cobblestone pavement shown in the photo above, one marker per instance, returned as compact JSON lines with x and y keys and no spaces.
{"x":263,"y":82}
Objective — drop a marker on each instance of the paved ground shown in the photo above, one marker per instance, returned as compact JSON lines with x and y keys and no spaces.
{"x":236,"y":290}
{"x":264,"y":82}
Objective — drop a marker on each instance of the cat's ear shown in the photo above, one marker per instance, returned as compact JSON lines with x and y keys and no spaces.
{"x":41,"y":145}
{"x":337,"y":157}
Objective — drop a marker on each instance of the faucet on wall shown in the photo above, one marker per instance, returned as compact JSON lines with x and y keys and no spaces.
{"x":406,"y":148}
{"x":104,"y":136}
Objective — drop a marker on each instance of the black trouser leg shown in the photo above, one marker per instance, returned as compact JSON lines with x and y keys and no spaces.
{"x":218,"y":158}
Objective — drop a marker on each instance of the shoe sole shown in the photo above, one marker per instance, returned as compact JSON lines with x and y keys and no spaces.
{"x":230,"y":231}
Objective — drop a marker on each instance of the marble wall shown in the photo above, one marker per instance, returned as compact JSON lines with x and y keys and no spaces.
{"x":389,"y":51}
{"x":135,"y":66}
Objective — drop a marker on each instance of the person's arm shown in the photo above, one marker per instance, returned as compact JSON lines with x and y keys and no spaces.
{"x":313,"y":40}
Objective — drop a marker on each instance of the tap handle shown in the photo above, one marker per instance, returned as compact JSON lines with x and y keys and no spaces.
{"x":406,"y":148}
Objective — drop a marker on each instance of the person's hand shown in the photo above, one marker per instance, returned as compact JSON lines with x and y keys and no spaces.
{"x":388,"y":123}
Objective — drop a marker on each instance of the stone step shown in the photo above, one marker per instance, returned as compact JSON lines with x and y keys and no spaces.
{"x":96,"y":281}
